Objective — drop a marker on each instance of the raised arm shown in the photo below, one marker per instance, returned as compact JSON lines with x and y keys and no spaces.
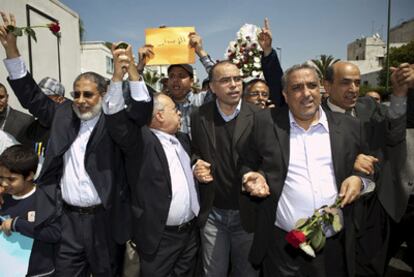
{"x":272,"y":70}
{"x":27,"y":91}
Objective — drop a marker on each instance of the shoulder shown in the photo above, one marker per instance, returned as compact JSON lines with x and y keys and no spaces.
{"x":20,"y":115}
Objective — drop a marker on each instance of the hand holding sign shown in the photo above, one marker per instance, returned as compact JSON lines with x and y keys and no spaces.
{"x":170,"y":45}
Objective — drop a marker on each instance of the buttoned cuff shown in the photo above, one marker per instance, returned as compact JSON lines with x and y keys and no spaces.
{"x":139,"y":91}
{"x":398,"y":106}
{"x":16,"y":68}
{"x":113,"y":100}
{"x":367,"y":185}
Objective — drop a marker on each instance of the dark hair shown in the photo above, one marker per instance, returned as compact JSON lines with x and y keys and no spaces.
{"x":296,"y":67}
{"x":251,"y":83}
{"x":3,"y":87}
{"x":213,"y":68}
{"x":329,"y":74}
{"x":100,"y":81}
{"x":19,"y":159}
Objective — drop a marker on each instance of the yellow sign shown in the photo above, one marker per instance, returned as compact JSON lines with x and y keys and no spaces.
{"x":170,"y":45}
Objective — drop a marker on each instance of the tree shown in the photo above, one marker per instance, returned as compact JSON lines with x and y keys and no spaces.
{"x":323,"y":63}
{"x":403,"y":54}
{"x":151,"y":78}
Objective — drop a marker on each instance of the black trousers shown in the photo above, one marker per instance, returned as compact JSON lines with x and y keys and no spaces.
{"x":86,"y":247}
{"x":284,"y":260}
{"x":175,"y":256}
{"x":404,"y":232}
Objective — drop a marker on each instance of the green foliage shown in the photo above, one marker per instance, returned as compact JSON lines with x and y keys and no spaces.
{"x":403,"y":54}
{"x":151,"y":77}
{"x":323,"y":63}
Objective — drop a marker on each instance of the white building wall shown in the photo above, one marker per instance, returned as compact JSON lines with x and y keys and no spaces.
{"x":94,"y":57}
{"x":44,"y":53}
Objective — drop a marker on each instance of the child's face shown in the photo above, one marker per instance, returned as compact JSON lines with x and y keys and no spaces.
{"x":14,"y":184}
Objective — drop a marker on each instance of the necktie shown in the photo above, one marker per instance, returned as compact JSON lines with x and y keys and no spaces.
{"x":185,"y":164}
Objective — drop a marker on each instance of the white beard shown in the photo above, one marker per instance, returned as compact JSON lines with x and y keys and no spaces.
{"x":96,"y":110}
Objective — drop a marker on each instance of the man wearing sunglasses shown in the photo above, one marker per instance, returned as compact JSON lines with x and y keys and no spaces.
{"x":82,"y":180}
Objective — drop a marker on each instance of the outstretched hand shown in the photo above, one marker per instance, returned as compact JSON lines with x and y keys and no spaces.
{"x":145,"y":53}
{"x":122,"y":62}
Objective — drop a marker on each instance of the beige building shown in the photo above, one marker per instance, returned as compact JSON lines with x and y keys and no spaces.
{"x":97,"y":57}
{"x":47,"y":56}
{"x":402,"y":33}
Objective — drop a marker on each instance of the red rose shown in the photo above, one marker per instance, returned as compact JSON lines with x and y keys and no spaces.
{"x":295,"y":238}
{"x":54,"y":27}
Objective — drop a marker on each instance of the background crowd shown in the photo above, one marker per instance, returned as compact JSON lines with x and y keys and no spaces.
{"x":185,"y":183}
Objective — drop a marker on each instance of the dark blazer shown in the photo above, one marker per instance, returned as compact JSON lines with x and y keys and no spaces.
{"x":268,"y":153}
{"x":17,"y":123}
{"x":204,"y":147}
{"x":381,"y":132}
{"x":103,"y":160}
{"x":148,"y":177}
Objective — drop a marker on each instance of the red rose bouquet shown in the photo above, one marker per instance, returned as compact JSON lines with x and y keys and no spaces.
{"x":309,"y":234}
{"x":54,"y":27}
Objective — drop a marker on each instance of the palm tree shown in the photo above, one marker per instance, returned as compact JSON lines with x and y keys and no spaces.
{"x":151,"y":78}
{"x":322,"y":65}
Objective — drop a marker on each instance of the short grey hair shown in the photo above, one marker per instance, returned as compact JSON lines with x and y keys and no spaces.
{"x":296,"y":67}
{"x":158,"y":105}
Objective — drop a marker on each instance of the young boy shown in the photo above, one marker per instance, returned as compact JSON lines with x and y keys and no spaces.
{"x":18,"y":165}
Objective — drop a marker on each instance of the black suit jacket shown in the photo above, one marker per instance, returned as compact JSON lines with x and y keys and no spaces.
{"x":16,"y":125}
{"x":204,"y":147}
{"x":381,"y":132}
{"x":103,"y":161}
{"x":148,"y":177}
{"x":268,"y":153}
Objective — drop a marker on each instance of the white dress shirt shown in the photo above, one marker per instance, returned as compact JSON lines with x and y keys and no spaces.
{"x":180,"y":208}
{"x":77,"y":187}
{"x":310,"y":182}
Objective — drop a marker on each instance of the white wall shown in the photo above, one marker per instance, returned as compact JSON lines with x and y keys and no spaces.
{"x":45,"y":52}
{"x":93,"y":58}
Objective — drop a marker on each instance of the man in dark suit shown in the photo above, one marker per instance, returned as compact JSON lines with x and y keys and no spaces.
{"x":296,"y":155}
{"x":12,"y":121}
{"x":402,"y":163}
{"x":164,"y":197}
{"x":82,"y":180}
{"x":383,"y":127}
{"x":219,"y":129}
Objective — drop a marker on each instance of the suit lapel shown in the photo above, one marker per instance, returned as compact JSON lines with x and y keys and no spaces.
{"x":361,"y":112}
{"x":97,"y":134}
{"x":163,"y":158}
{"x":207,"y":121}
{"x":282,"y":128}
{"x":337,"y":144}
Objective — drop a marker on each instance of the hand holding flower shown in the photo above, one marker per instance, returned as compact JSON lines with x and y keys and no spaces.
{"x":8,"y":40}
{"x":350,"y":190}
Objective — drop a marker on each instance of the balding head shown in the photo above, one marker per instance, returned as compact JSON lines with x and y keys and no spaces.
{"x":342,"y":83}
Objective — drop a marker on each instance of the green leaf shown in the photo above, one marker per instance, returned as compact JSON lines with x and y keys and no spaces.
{"x":336,"y":224}
{"x":17,"y":31}
{"x":300,"y":223}
{"x":31,"y":33}
{"x":318,"y":239}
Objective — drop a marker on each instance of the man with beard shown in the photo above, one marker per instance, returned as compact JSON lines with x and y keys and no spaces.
{"x":82,"y":180}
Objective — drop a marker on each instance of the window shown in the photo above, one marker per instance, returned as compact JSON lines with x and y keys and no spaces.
{"x":109,"y":65}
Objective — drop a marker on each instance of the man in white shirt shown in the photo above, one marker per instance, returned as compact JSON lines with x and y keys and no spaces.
{"x":297,"y":162}
{"x":81,"y":183}
{"x":164,"y":196}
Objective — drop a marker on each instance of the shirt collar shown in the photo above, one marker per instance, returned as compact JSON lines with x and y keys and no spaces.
{"x":323,"y":120}
{"x":231,"y":116}
{"x":163,"y":136}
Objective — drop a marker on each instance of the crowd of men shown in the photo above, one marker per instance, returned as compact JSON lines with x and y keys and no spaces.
{"x":209,"y":183}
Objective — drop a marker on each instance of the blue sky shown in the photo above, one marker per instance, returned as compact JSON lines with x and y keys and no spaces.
{"x":304,"y":29}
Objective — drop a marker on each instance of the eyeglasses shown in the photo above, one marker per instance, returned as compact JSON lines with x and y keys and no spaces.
{"x":86,"y":94}
{"x":227,"y":80}
{"x":257,"y":93}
